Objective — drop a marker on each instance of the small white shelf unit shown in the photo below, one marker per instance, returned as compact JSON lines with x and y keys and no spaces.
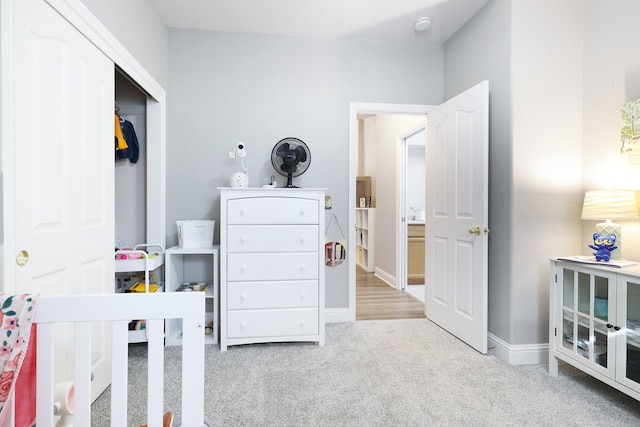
{"x":184,"y":268}
{"x":151,"y":261}
{"x":365,"y":238}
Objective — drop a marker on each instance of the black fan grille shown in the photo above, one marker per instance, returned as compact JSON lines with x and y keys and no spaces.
{"x":291,"y":158}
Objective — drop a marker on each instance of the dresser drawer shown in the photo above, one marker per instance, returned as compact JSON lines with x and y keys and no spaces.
{"x":275,"y":266}
{"x":251,"y":295}
{"x":272,"y":238}
{"x":272,"y":323}
{"x":272,"y":210}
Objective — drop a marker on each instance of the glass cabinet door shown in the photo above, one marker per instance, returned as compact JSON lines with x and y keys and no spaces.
{"x":586,"y":301}
{"x":629,"y":330}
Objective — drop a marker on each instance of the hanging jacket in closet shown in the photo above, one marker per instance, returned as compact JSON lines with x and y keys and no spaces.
{"x":133,"y":151}
{"x":121,"y":144}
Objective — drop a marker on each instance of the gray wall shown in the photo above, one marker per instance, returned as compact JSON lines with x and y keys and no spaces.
{"x":611,"y":78}
{"x":547,"y":168}
{"x":138,"y":27}
{"x":225,"y":88}
{"x":535,"y":149}
{"x":388,"y":127}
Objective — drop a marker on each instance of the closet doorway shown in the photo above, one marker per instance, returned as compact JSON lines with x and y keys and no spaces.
{"x":139,"y":185}
{"x":70,"y":152}
{"x":130,"y":182}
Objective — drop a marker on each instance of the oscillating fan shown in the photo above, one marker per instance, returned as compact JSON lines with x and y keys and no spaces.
{"x":290,"y":157}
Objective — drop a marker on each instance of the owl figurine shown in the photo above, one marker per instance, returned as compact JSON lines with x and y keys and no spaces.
{"x":603,"y":245}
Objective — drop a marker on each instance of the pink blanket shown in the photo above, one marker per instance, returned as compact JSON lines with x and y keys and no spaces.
{"x":17,"y":358}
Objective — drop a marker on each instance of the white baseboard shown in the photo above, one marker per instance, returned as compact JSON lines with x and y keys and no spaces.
{"x":337,"y":315}
{"x":527,"y":354}
{"x":390,"y":279}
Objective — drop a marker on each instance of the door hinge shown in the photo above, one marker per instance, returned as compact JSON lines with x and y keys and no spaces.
{"x":555,"y":332}
{"x":555,"y":278}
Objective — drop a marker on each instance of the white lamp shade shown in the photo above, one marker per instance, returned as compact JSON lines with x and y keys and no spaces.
{"x":610,"y":204}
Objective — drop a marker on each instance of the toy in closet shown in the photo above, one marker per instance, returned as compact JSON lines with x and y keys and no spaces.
{"x":131,"y":262}
{"x":126,"y":141}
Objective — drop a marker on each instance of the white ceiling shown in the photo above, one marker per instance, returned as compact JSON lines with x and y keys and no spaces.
{"x":390,"y":20}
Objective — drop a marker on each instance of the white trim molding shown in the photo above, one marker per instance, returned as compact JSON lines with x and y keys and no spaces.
{"x":524,"y":354}
{"x":386,"y":277}
{"x":336,"y":315}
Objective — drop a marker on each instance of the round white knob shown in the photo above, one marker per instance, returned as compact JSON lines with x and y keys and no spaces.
{"x":302,"y":295}
{"x":302,"y":322}
{"x":243,"y":325}
{"x":243,"y":211}
{"x":301,"y":212}
{"x":303,"y":267}
{"x":243,"y":296}
{"x":302,"y":240}
{"x":243,"y":240}
{"x":243,"y":267}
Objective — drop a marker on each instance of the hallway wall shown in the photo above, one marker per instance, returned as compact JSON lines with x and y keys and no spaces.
{"x":382,"y":149}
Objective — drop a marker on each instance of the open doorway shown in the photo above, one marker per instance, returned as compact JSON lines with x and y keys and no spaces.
{"x":384,"y":165}
{"x":456,"y":225}
{"x":411,"y":227}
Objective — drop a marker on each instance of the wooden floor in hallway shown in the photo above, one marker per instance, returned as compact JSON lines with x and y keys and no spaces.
{"x":376,"y":300}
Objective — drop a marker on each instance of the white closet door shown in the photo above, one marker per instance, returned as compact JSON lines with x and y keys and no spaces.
{"x":61,"y":179}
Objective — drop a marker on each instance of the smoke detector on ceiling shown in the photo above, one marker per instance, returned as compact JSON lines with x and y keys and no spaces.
{"x":423,"y":24}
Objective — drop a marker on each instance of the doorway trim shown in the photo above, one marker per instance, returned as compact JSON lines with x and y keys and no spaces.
{"x":356,"y":108}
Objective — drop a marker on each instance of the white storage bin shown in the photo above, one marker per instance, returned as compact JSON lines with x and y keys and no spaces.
{"x":195,"y":234}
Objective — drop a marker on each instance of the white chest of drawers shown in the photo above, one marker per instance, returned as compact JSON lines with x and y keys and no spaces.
{"x":271,"y":265}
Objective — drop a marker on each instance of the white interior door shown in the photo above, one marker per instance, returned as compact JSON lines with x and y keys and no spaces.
{"x":457,"y":216}
{"x":61,"y":180}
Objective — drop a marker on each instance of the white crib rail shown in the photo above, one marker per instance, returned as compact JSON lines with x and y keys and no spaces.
{"x":120,"y":309}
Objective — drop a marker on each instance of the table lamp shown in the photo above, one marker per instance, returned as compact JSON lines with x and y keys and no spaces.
{"x":609,"y":205}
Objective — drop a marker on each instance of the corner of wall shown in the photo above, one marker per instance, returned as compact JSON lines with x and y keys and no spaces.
{"x":529,"y":354}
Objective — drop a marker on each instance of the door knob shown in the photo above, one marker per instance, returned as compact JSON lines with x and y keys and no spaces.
{"x":475,"y":231}
{"x":22,"y":258}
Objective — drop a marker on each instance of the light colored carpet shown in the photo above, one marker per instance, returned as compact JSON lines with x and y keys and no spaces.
{"x":381,"y":373}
